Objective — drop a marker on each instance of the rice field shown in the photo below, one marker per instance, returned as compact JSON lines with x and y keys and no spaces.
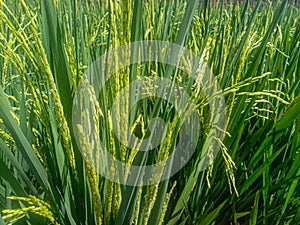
{"x":149,"y":112}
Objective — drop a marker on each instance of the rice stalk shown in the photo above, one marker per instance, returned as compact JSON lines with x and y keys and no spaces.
{"x":35,"y":206}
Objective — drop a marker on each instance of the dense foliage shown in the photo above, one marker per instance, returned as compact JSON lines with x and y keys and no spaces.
{"x":252,"y":49}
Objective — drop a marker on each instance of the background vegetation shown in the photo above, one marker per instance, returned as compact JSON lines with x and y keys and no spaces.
{"x":252,"y":49}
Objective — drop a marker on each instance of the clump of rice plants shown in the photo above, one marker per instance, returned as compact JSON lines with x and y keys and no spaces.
{"x":50,"y":172}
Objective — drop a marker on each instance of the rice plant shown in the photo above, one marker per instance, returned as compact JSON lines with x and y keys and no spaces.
{"x":49,"y":169}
